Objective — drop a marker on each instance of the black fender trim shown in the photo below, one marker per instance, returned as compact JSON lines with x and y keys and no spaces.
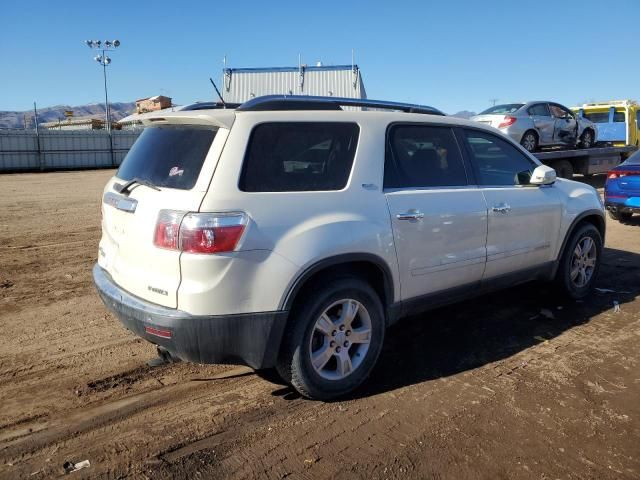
{"x":287,"y":302}
{"x":571,"y":229}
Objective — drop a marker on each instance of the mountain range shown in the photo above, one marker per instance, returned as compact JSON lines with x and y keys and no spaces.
{"x":9,"y":119}
{"x":21,"y":120}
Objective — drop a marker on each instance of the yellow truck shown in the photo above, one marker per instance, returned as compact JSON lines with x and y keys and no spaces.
{"x":617,"y":121}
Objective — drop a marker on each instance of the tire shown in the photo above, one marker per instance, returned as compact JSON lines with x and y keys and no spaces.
{"x":563,"y":169}
{"x":586,"y":262}
{"x":530,"y":141}
{"x":620,"y":216}
{"x":586,"y":139}
{"x":309,"y":335}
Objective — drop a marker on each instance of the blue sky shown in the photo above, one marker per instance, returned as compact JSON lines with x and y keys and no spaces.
{"x":453,"y":54}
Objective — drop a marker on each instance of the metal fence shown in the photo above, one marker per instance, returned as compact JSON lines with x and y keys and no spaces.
{"x":22,"y":150}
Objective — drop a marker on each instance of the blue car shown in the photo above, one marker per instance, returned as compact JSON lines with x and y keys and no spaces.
{"x":622,"y":190}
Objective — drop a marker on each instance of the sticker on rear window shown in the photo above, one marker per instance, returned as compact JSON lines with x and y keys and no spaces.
{"x":176,"y":171}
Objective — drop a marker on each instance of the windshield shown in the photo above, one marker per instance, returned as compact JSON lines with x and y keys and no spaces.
{"x":168,"y":156}
{"x":507,"y":108}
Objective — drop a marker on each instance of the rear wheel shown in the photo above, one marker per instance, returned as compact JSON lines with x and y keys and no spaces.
{"x":586,"y":140}
{"x":530,"y":141}
{"x":334,"y":339}
{"x":563,"y":169}
{"x":580,"y":262}
{"x":620,"y":216}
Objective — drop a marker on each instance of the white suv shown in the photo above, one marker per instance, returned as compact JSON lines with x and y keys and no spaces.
{"x":290,"y":232}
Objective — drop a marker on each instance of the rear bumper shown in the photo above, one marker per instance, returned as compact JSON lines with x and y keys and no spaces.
{"x":624,"y":206}
{"x":247,"y":339}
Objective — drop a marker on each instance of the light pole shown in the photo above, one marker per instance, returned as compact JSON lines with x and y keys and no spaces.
{"x":104,"y":60}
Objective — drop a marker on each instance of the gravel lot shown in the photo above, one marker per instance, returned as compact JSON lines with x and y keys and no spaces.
{"x":513,"y":385}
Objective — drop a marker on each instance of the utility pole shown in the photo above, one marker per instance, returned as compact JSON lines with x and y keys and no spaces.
{"x":105,"y":60}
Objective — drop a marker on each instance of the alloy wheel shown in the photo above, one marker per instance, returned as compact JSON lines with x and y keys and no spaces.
{"x":340,"y":339}
{"x":583,"y":262}
{"x":529,"y":142}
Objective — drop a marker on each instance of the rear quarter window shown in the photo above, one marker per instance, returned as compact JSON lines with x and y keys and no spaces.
{"x":168,"y":156}
{"x":299,"y":156}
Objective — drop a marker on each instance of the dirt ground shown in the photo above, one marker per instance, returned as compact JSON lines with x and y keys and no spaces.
{"x":514,"y":385}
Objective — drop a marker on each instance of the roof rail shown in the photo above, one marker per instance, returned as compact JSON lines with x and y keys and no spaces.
{"x":210,"y":106}
{"x":308,"y":102}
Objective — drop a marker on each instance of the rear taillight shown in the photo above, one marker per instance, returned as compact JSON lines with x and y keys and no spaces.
{"x":199,"y":232}
{"x":167,"y":229}
{"x":621,"y":173}
{"x":507,"y":121}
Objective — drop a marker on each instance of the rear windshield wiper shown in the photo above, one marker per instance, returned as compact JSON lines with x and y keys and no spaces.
{"x":126,"y":188}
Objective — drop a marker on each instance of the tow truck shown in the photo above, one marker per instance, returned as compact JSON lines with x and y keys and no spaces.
{"x":588,"y":161}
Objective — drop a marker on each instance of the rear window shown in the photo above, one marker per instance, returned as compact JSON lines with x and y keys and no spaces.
{"x":633,"y":159}
{"x":619,"y":117}
{"x":294,"y":157}
{"x":507,"y":108}
{"x":597,"y":117}
{"x":168,"y":156}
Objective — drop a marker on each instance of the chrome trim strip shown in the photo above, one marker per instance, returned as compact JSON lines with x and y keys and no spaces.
{"x":120,"y":202}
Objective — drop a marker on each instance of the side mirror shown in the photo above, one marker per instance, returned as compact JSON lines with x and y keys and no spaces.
{"x":543,"y":175}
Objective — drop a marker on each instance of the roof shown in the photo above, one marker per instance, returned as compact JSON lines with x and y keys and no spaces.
{"x":154,"y":98}
{"x":308,"y":68}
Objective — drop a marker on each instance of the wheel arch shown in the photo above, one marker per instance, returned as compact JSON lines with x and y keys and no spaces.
{"x":368,"y":266}
{"x":594,"y":217}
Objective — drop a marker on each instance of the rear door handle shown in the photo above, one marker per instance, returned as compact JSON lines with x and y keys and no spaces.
{"x":410,"y":215}
{"x":501,"y":208}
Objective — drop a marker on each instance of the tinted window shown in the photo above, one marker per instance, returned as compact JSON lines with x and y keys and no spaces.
{"x":558,"y":111}
{"x":168,"y":156}
{"x":619,"y":117}
{"x":496,"y":161}
{"x":633,"y":159}
{"x":422,"y":156}
{"x":507,"y":108}
{"x":293,"y":157}
{"x":540,"y":109}
{"x":597,"y":117}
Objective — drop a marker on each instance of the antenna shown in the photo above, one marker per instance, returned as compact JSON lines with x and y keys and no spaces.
{"x":218,"y":92}
{"x":494,"y":100}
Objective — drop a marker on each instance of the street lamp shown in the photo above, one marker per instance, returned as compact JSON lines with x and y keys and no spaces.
{"x":104,"y":60}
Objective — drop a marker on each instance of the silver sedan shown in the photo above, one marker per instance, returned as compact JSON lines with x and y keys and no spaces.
{"x":540,"y":124}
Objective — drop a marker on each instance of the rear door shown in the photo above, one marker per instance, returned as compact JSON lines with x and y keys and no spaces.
{"x":173,"y":158}
{"x":523,"y":221}
{"x":543,"y":121}
{"x":439,"y":220}
{"x":566,"y":126}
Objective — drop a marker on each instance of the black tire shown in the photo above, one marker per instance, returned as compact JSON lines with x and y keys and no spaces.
{"x":294,"y":362}
{"x":563,"y":169}
{"x":563,"y":276}
{"x":620,"y":216}
{"x":530,"y":141}
{"x":586,"y":139}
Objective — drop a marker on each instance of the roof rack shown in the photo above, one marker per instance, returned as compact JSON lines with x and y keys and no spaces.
{"x":308,"y":102}
{"x":210,"y":106}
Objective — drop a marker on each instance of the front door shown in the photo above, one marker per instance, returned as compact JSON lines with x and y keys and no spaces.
{"x":566,"y":125}
{"x":523,"y":221}
{"x":439,"y":221}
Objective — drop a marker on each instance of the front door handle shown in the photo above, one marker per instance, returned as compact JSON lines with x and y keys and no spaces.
{"x":501,"y":208}
{"x":410,"y":215}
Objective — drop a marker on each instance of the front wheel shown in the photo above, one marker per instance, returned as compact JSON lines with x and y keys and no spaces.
{"x":586,"y":140}
{"x":580,"y":262}
{"x":334,"y":340}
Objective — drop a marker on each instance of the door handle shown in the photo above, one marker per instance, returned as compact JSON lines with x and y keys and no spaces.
{"x":501,"y":208}
{"x":410,"y":215}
